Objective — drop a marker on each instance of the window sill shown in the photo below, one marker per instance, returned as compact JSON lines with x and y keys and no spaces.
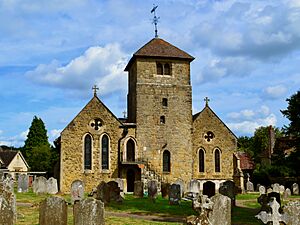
{"x":105,"y":171}
{"x":88,"y":172}
{"x":166,"y":173}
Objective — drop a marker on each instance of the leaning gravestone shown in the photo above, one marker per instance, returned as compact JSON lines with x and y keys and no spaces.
{"x":165,"y":189}
{"x":53,"y":210}
{"x":138,"y":189}
{"x":287,"y":193}
{"x":23,"y":181}
{"x":103,"y":192}
{"x":52,"y":186}
{"x":77,"y":191}
{"x":89,"y":212}
{"x":228,"y":189}
{"x":41,"y":185}
{"x":181,"y":184}
{"x":152,"y":189}
{"x":174,"y":194}
{"x":276,"y":188}
{"x":292,"y":212}
{"x":114,"y":192}
{"x":249,"y":186}
{"x":8,"y":212}
{"x":221,"y":211}
{"x":295,"y":189}
{"x":262,"y":190}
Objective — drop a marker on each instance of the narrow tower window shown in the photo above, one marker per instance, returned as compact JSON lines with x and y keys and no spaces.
{"x":105,"y":152}
{"x":165,"y":102}
{"x":167,"y":69}
{"x":88,"y":152}
{"x":130,"y":150}
{"x":166,"y":161}
{"x":201,"y":160}
{"x":159,"y":68}
{"x":217,"y":160}
{"x":162,"y":120}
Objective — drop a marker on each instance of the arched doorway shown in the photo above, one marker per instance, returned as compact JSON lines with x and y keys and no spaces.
{"x":209,"y":188}
{"x":130,"y":151}
{"x":130,"y":176}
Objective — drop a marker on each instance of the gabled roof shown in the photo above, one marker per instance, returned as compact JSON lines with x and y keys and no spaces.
{"x":159,"y":48}
{"x":208,"y":108}
{"x":7,"y":156}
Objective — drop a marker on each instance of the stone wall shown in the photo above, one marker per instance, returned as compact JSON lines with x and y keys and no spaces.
{"x":223,"y":139}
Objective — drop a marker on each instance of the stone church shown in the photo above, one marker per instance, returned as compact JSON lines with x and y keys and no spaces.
{"x":160,"y":138}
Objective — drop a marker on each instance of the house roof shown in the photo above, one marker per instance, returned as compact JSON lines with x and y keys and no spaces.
{"x":160,"y":48}
{"x":7,"y":156}
{"x":246,"y":162}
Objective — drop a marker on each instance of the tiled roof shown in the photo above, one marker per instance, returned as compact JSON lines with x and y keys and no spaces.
{"x":7,"y":156}
{"x":246,"y":161}
{"x":158,"y":47}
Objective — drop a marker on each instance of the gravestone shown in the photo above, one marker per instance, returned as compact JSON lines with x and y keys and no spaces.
{"x":89,"y":211}
{"x":52,"y":186}
{"x":249,"y":186}
{"x":257,"y":187}
{"x":138,"y":189}
{"x":193,"y":188}
{"x":53,"y":210}
{"x":7,"y":185}
{"x":23,"y":183}
{"x":263,"y":200}
{"x":281,"y":189}
{"x":203,"y":206}
{"x":295,"y":189}
{"x":287,"y":193}
{"x":227,"y":188}
{"x":276,"y":188}
{"x":165,"y":189}
{"x":103,"y":192}
{"x":262,"y":189}
{"x":292,"y":212}
{"x":152,"y":189}
{"x":8,"y":212}
{"x":77,"y":191}
{"x":274,"y":195}
{"x":174,"y":194}
{"x":269,"y":190}
{"x":41,"y":185}
{"x":121,"y":186}
{"x":181,"y":184}
{"x":114,"y":192}
{"x":274,"y":216}
{"x":221,"y":211}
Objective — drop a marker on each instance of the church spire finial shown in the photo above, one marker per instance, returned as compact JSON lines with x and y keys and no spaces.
{"x":206,"y":99}
{"x":155,"y":19}
{"x":95,"y":88}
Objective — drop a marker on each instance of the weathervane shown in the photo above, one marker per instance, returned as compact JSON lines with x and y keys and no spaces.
{"x":155,"y":18}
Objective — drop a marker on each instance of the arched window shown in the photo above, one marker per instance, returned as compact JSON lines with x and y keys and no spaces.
{"x":166,"y":161}
{"x":159,"y":68}
{"x":167,"y":69}
{"x":201,"y":160}
{"x":105,"y":152}
{"x":217,"y":160}
{"x":88,"y":152}
{"x":130,"y":151}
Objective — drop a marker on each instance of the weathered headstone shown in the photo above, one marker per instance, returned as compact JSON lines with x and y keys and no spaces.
{"x":181,"y":184}
{"x":193,"y":188}
{"x":276,"y":188}
{"x":221,"y":211}
{"x":249,"y":186}
{"x":103,"y":192}
{"x":269,"y":190}
{"x":52,"y":186}
{"x":295,"y":189}
{"x":7,"y":207}
{"x":114,"y":192}
{"x":174,"y":194}
{"x":41,"y":185}
{"x":77,"y":190}
{"x":274,"y":195}
{"x":262,"y":189}
{"x":287,"y":193}
{"x":89,"y":211}
{"x":165,"y":189}
{"x":281,"y":189}
{"x":275,"y":217}
{"x":152,"y":189}
{"x":8,"y":184}
{"x":121,"y":186}
{"x":292,"y":212}
{"x":138,"y":189}
{"x":227,"y":188}
{"x":53,"y":210}
{"x":23,"y":181}
{"x":203,"y":206}
{"x":263,"y":200}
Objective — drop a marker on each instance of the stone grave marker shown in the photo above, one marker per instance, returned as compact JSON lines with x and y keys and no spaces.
{"x":295,"y":189}
{"x":114,"y":192}
{"x":262,"y":189}
{"x":203,"y":206}
{"x":77,"y":191}
{"x":103,"y":192}
{"x":138,"y":189}
{"x":292,"y":212}
{"x":52,"y":186}
{"x":165,"y":189}
{"x":263,"y":200}
{"x":287,"y":193}
{"x":23,"y":181}
{"x":269,"y":190}
{"x":221,"y":211}
{"x":181,"y":184}
{"x":41,"y":185}
{"x":281,"y":189}
{"x":53,"y":210}
{"x":249,"y":186}
{"x":275,"y":195}
{"x":174,"y":194}
{"x":89,"y":211}
{"x":227,"y":188}
{"x":8,"y":212}
{"x":276,"y":188}
{"x":152,"y":190}
{"x":193,"y":188}
{"x":121,"y":186}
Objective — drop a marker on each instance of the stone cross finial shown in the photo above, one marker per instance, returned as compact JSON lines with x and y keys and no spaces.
{"x":95,"y":88}
{"x":206,"y":99}
{"x":124,"y":113}
{"x":275,"y":217}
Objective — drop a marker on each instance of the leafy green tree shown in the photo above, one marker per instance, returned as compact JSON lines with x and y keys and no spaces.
{"x":37,"y":149}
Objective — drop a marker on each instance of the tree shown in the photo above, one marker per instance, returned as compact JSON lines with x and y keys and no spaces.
{"x":37,"y":148}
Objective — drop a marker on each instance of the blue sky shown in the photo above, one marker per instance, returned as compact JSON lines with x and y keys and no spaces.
{"x":52,"y":52}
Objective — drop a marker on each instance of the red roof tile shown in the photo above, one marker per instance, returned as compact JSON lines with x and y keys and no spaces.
{"x":246,"y":161}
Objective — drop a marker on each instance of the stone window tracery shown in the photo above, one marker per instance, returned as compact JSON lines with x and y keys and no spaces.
{"x":163,"y":68}
{"x":209,"y":136}
{"x":96,"y":124}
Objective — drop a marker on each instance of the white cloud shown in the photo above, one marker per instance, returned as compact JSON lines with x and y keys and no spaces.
{"x":16,"y":141}
{"x":275,"y":92}
{"x":103,"y":66}
{"x":55,"y":133}
{"x":1,"y":132}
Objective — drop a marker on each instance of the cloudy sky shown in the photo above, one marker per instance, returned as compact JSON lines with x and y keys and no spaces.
{"x":52,"y":52}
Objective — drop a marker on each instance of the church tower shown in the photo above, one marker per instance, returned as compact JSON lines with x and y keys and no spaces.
{"x":160,"y":105}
